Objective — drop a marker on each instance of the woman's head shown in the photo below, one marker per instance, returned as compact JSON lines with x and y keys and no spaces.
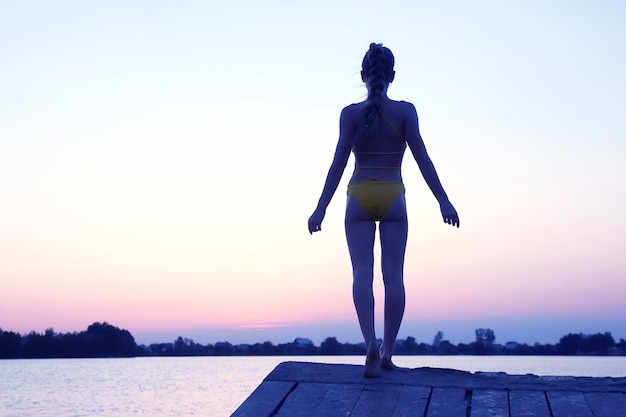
{"x":376,"y":72}
{"x":377,"y":67}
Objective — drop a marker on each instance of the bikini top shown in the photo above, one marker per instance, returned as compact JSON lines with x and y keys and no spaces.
{"x":392,"y":168}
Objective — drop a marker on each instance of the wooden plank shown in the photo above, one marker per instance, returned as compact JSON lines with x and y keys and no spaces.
{"x":490,"y":403}
{"x":412,"y":401}
{"x":265,"y":399}
{"x":320,"y":399}
{"x":528,"y":404}
{"x":340,"y":400}
{"x":377,"y":400}
{"x":303,"y":399}
{"x":447,"y":402}
{"x":606,"y":404}
{"x":568,"y":404}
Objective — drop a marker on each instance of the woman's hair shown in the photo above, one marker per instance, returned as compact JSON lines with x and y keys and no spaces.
{"x":377,"y":70}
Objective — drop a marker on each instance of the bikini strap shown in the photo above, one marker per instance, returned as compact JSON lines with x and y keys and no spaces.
{"x":376,"y":178}
{"x":377,"y":153}
{"x":391,"y":124}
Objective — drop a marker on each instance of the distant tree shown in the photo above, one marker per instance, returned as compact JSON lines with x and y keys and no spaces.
{"x":410,"y":345}
{"x":10,"y":344}
{"x":353,"y":349}
{"x":255,"y":349}
{"x":484,"y":341}
{"x":143,"y":350}
{"x":223,"y":349}
{"x":600,"y":343}
{"x":112,"y":341}
{"x":267,"y":348}
{"x":446,"y":348}
{"x":186,"y":347}
{"x":36,"y":345}
{"x":285,"y":349}
{"x":438,"y":338}
{"x":180,"y":347}
{"x":581,"y":344}
{"x":330,"y":346}
{"x":424,"y":349}
{"x":466,"y":349}
{"x":539,"y":349}
{"x":486,"y":337}
{"x":570,"y":344}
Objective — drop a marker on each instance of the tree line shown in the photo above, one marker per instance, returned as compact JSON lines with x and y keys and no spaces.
{"x":102,"y":340}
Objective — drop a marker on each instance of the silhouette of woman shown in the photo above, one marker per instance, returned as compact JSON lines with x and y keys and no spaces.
{"x":377,"y":131}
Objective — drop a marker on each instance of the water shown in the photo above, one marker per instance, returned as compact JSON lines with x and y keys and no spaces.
{"x":210,"y":386}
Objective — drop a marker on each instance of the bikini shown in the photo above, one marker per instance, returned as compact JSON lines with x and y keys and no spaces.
{"x":376,"y":195}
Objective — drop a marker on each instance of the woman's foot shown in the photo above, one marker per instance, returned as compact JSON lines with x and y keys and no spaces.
{"x":372,"y":364}
{"x":385,"y":363}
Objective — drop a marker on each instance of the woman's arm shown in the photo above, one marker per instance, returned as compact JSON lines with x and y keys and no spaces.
{"x":342,"y":153}
{"x":427,"y":168}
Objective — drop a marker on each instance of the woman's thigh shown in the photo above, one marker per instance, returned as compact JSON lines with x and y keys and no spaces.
{"x":360,"y":232}
{"x":394,"y":229}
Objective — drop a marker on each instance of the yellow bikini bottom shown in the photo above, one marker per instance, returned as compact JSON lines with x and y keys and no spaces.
{"x":376,"y":196}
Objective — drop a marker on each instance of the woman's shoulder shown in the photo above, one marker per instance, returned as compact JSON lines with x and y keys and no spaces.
{"x":352,"y":111}
{"x":403,"y":105}
{"x":354,"y":106}
{"x":400,"y":109}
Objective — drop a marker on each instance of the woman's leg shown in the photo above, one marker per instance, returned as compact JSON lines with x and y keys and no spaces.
{"x":393,"y":236}
{"x":360,"y":231}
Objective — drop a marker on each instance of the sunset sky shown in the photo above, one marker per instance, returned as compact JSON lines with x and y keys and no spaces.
{"x":159,"y":161}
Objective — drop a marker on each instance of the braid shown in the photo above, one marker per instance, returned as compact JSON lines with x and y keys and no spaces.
{"x":377,"y":68}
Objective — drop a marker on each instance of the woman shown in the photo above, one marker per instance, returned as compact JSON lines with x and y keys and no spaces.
{"x":377,"y":131}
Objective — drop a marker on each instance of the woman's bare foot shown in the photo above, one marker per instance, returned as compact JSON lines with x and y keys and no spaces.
{"x":385,"y":363}
{"x":372,"y":364}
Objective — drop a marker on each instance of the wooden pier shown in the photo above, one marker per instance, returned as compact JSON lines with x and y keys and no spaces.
{"x":324,"y":390}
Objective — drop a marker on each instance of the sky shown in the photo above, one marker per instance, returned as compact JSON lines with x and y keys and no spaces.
{"x":159,"y":161}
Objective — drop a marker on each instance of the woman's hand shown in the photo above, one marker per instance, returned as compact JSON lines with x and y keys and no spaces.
{"x":449,"y":214}
{"x":315,"y":221}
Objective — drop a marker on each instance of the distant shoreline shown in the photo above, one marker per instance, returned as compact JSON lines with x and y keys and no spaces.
{"x":102,"y":340}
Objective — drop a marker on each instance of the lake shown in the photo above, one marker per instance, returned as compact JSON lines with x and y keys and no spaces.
{"x":211,"y":386}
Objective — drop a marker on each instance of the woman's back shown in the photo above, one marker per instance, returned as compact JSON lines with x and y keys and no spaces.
{"x":379,"y":149}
